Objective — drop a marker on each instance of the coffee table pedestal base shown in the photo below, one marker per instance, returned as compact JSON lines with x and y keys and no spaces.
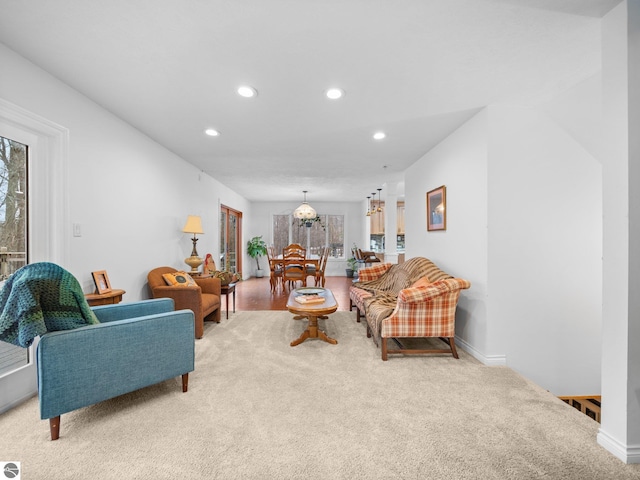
{"x":313,"y":331}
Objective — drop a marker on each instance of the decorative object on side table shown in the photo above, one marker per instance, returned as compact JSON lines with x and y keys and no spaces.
{"x":209,"y":266}
{"x":101,"y":281}
{"x":225,"y":277}
{"x":193,"y":226}
{"x":436,"y":209}
{"x":256,"y":248}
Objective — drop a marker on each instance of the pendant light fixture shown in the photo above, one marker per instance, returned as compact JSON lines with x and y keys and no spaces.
{"x":305,"y":211}
{"x":373,"y":203}
{"x":379,"y":198}
{"x":368,"y":206}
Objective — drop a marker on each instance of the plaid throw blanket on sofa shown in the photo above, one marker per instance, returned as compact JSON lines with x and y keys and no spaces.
{"x":39,"y":298}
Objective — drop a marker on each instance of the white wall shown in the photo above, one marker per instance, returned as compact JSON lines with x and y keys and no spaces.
{"x":354,"y":221}
{"x":129,"y":195}
{"x":524,"y":226}
{"x":545,"y":251}
{"x":620,"y":429}
{"x":460,"y":163}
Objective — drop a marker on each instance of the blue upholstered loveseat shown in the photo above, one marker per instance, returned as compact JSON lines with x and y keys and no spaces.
{"x":135,"y":345}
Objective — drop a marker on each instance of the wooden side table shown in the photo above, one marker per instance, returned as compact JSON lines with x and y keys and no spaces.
{"x":109,"y":298}
{"x":226,"y":290}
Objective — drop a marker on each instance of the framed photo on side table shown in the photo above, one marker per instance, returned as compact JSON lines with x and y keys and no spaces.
{"x":101,"y":280}
{"x":437,"y":209}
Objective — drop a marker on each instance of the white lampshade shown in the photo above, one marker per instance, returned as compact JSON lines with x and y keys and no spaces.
{"x":305,"y":211}
{"x":193,"y":225}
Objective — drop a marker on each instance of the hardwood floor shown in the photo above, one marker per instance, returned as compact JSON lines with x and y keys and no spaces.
{"x":255,"y":294}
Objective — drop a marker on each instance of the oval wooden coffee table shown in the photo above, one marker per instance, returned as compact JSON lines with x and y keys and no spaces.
{"x":312,"y":312}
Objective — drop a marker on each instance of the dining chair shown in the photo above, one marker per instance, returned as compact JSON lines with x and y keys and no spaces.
{"x":294,"y":267}
{"x":319,"y":272}
{"x":275,"y":267}
{"x":295,"y":248}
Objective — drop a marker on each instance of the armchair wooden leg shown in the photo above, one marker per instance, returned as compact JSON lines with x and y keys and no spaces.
{"x":383,"y":347}
{"x":185,"y":382}
{"x":54,"y":427}
{"x":452,"y":344}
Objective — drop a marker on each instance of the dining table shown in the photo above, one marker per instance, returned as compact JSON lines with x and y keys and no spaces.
{"x":311,"y":259}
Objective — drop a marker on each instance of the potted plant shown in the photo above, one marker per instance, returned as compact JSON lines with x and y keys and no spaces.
{"x":352,"y":267}
{"x":256,"y":248}
{"x":308,"y":222}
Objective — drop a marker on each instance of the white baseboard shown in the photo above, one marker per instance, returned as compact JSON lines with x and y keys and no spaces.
{"x":489,"y":360}
{"x":8,"y":406}
{"x":623,"y":452}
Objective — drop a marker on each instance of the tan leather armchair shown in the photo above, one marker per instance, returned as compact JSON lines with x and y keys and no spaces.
{"x":203,"y":300}
{"x":366,"y":258}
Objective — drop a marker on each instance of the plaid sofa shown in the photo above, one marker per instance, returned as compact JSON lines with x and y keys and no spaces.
{"x":394,"y":308}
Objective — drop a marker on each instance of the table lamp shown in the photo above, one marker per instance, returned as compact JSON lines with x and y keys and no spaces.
{"x":193,"y":226}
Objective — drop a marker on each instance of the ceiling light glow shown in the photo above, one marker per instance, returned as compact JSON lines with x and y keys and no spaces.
{"x":212,"y":132}
{"x":246,"y":91}
{"x":379,"y":135}
{"x":335,"y":93}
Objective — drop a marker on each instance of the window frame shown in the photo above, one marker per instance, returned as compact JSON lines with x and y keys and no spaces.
{"x":293,"y":223}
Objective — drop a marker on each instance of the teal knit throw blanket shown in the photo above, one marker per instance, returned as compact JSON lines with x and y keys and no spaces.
{"x":39,"y":298}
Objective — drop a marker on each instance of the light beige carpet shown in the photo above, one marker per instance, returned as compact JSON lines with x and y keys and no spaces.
{"x":259,"y":409}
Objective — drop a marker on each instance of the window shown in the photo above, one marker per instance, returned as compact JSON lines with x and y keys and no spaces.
{"x":328,"y":231}
{"x":13,"y":221}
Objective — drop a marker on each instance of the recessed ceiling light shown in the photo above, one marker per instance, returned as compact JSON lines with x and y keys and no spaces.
{"x":247,"y":91}
{"x":335,"y":93}
{"x":212,"y":132}
{"x":379,"y":135}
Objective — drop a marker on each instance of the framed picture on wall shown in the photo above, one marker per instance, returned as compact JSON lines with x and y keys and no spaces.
{"x":101,"y":280}
{"x":437,"y":209}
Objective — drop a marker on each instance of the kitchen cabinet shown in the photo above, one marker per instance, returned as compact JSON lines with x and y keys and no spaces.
{"x":377,"y":221}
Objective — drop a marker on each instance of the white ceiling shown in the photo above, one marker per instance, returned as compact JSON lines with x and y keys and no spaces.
{"x":416,"y":69}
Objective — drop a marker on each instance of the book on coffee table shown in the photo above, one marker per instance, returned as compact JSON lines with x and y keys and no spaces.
{"x":309,"y":299}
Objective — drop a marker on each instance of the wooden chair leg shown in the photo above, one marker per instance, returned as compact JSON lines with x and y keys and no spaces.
{"x":54,"y":427}
{"x":185,"y":382}
{"x":383,"y":348}
{"x":452,"y":344}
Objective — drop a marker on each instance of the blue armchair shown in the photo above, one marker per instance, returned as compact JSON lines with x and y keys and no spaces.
{"x":135,"y":345}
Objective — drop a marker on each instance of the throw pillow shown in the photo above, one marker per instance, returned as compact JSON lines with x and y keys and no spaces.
{"x":179,"y":279}
{"x":421,"y":282}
